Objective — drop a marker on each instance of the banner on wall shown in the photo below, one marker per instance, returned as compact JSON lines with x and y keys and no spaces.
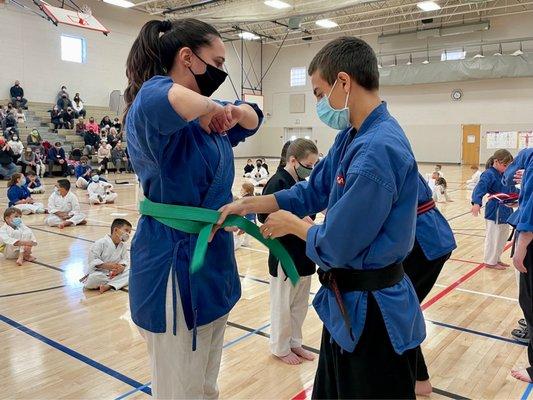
{"x":502,"y":139}
{"x":525,"y":139}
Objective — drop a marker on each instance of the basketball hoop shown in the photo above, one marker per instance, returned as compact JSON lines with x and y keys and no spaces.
{"x":84,"y":14}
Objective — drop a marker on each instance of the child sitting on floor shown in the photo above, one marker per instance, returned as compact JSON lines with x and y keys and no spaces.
{"x":64,"y":207}
{"x":100,"y":191}
{"x":109,"y":260}
{"x":16,"y":239}
{"x":34,"y":184}
{"x":441,"y":191}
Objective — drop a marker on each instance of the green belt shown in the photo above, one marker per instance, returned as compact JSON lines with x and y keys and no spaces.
{"x":195,"y":220}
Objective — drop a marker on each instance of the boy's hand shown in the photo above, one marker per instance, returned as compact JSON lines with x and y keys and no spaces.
{"x":475,"y":210}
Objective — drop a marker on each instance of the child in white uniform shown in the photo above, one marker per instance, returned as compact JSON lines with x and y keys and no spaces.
{"x":16,"y":239}
{"x":100,"y":192}
{"x":64,"y":207}
{"x":109,"y":261}
{"x":441,"y":191}
{"x":473,"y":181}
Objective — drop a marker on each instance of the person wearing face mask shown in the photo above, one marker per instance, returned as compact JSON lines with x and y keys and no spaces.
{"x":248,"y":168}
{"x":64,"y":207}
{"x":7,"y":167}
{"x":368,"y":182}
{"x":17,"y":147}
{"x":56,"y":156}
{"x":259,"y":175}
{"x":83,"y":173}
{"x":17,"y":96}
{"x":20,"y":197}
{"x":288,"y":303}
{"x":62,"y":93}
{"x":16,"y":239}
{"x":180,"y":145}
{"x":109,"y":261}
{"x":99,"y":191}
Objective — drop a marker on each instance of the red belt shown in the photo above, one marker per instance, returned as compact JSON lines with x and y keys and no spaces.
{"x":425,"y":207}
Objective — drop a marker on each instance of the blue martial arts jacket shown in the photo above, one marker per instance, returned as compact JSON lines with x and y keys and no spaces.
{"x":522,"y":219}
{"x":433,"y":232}
{"x":490,"y":182}
{"x":16,"y":193}
{"x":177,"y":162}
{"x":369,"y":186}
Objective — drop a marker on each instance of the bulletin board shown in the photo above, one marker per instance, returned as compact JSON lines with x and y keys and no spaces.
{"x":502,"y":139}
{"x":525,"y":139}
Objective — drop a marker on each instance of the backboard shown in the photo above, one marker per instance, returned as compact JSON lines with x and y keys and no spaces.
{"x":81,"y":19}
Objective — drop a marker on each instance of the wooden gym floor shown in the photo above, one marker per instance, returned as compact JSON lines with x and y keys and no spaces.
{"x":59,"y":341}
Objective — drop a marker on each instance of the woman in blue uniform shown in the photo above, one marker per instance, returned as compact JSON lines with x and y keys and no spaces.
{"x":368,"y":182}
{"x":180,"y":144}
{"x":434,"y":243}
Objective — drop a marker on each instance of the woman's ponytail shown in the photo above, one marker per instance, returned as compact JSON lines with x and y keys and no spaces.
{"x":490,"y":162}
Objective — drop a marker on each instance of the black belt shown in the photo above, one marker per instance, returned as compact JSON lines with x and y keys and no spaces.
{"x":341,"y":280}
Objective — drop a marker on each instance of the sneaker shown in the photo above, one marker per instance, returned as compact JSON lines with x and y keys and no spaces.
{"x":520,"y":335}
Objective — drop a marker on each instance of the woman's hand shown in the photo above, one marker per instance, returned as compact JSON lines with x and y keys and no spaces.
{"x":280,"y":223}
{"x":205,"y":120}
{"x":475,"y":210}
{"x":227,"y":119}
{"x":518,"y":258}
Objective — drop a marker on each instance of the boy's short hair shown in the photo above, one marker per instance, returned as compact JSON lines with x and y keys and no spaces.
{"x":84,"y":158}
{"x":119,"y":223}
{"x":351,"y":55}
{"x":31,"y":173}
{"x":11,"y":211}
{"x":248,"y":187}
{"x":57,"y":144}
{"x":64,"y":183}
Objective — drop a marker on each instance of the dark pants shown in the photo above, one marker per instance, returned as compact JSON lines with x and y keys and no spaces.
{"x":423,"y":274}
{"x":82,"y":113}
{"x":19,"y":102}
{"x":373,"y":371}
{"x":64,"y":167}
{"x":103,"y":164}
{"x":525,"y":298}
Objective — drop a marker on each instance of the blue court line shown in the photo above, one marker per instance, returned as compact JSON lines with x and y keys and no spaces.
{"x":527,"y":392}
{"x":32,"y":291}
{"x":479,"y":333}
{"x":78,"y":356}
{"x":123,"y":396}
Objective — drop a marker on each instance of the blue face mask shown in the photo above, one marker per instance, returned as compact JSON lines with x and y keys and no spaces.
{"x":17,"y":221}
{"x":22,"y":181}
{"x":95,"y":178}
{"x":336,"y":119}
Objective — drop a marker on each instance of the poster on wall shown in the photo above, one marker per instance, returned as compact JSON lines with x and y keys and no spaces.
{"x":525,"y":139}
{"x":502,"y":139}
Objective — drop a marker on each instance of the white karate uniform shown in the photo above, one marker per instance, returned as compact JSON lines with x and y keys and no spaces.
{"x":69,"y":204}
{"x":100,"y":192}
{"x":82,"y":183}
{"x":35,"y":208}
{"x":9,"y":236}
{"x":472,"y":182}
{"x":177,"y":371}
{"x":258,"y":176}
{"x":288,"y":308}
{"x":105,"y":251}
{"x":441,"y":194}
{"x":495,"y":239}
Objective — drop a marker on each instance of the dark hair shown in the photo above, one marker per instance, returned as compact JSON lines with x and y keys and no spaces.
{"x":502,"y":155}
{"x":442,"y":182}
{"x":64,"y":183}
{"x":31,"y":173}
{"x":57,"y":144}
{"x":119,"y":223}
{"x":154,"y":50}
{"x":10,"y":211}
{"x":301,"y":148}
{"x":283,"y":158}
{"x":351,"y":55}
{"x":14,"y":178}
{"x":259,"y":159}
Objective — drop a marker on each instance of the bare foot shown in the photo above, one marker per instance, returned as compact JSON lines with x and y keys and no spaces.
{"x":521,"y":374}
{"x":495,"y":266}
{"x":61,"y":225}
{"x":104,"y":288}
{"x":305,"y":354}
{"x":423,"y":388}
{"x":291,"y":359}
{"x":503,"y":264}
{"x":20,"y":261}
{"x":29,"y":258}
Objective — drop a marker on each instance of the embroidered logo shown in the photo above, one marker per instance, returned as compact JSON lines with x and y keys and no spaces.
{"x":340,"y":180}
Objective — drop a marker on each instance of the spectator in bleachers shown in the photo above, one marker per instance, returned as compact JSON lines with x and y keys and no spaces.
{"x":64,"y":102}
{"x":55,"y":117}
{"x":103,"y":134}
{"x":7,"y":167}
{"x":77,"y":105}
{"x":17,"y":147}
{"x":68,"y":117}
{"x":17,"y":96}
{"x":62,"y":92}
{"x":104,"y":155}
{"x":40,"y":158}
{"x":34,"y":138}
{"x":117,"y":125}
{"x":56,"y":156}
{"x":129,"y":167}
{"x":113,"y":137}
{"x":27,"y":159}
{"x":92,"y":140}
{"x":80,"y":126}
{"x":92,"y":126}
{"x":118,"y":155}
{"x":21,"y":118}
{"x":106,"y":122}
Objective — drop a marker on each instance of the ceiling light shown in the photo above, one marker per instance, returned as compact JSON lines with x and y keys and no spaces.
{"x":518,"y":52}
{"x":120,"y":3}
{"x":410,"y":60}
{"x":326,"y":23}
{"x":428,"y":6}
{"x":277,"y":4}
{"x":499,"y":52}
{"x":248,"y":35}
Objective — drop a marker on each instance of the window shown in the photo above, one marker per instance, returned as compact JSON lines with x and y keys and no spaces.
{"x":298,"y":76}
{"x":453,"y":55}
{"x":73,"y":49}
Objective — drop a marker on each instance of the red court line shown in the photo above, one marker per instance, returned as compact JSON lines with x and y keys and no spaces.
{"x":306,"y":392}
{"x":465,"y":261}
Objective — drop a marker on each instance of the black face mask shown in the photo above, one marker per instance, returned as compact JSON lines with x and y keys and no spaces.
{"x":210,"y":80}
